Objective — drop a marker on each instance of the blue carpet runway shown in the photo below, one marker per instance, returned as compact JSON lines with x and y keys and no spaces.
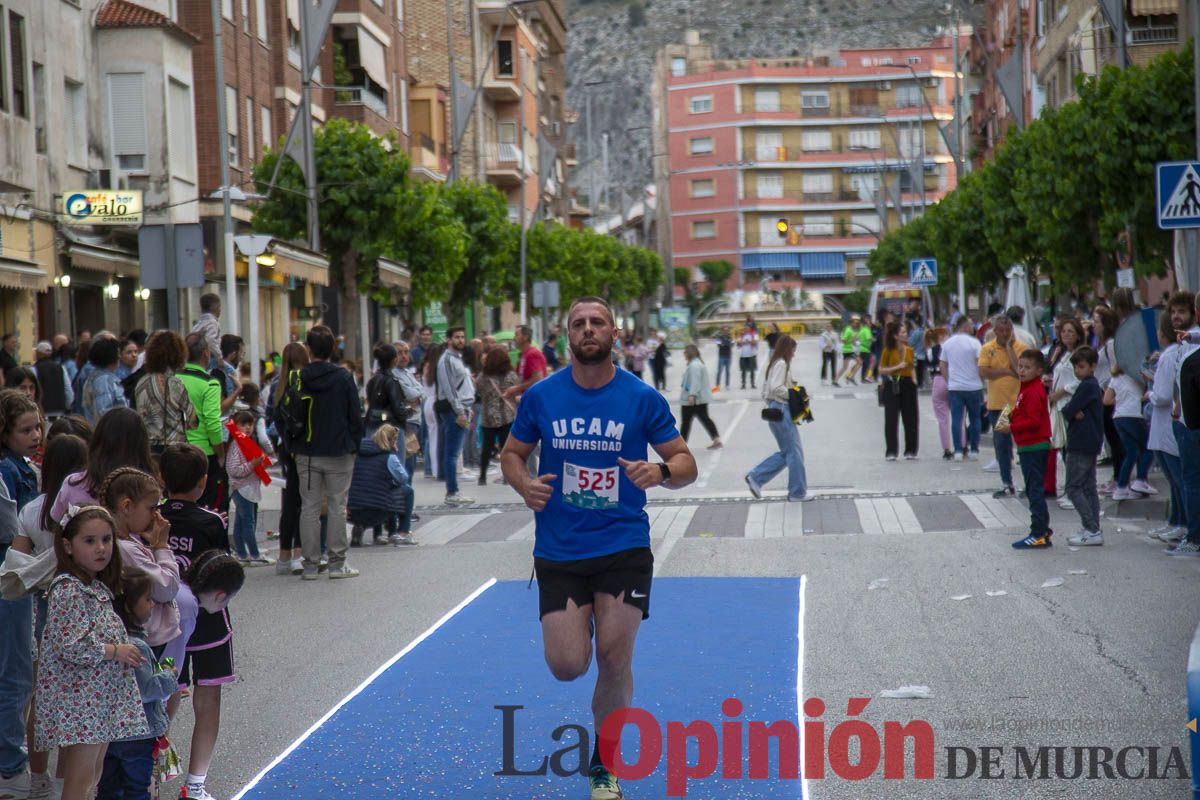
{"x":427,"y":726}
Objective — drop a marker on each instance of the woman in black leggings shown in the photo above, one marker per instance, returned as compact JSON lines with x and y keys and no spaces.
{"x":695,"y":397}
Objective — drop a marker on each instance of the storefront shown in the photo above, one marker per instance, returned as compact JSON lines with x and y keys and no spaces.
{"x":26,"y":250}
{"x":100,"y":276}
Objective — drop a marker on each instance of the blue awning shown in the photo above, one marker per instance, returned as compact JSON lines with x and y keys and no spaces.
{"x":757,"y":262}
{"x":822,"y":265}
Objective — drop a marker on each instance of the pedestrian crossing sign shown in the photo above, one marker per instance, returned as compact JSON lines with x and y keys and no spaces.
{"x":1177,"y":189}
{"x":923,"y":272}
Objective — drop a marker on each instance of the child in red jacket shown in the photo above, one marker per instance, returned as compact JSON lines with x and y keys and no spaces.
{"x":1030,"y":426}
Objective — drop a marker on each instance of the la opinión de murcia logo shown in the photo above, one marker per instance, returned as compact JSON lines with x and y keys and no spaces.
{"x":741,"y":750}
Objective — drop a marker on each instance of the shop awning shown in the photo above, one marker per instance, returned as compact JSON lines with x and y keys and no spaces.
{"x":99,"y":255}
{"x":18,"y":274}
{"x":753,"y":262}
{"x":1149,"y":8}
{"x":823,"y":265}
{"x":301,"y":264}
{"x":372,"y":57}
{"x":393,"y":274}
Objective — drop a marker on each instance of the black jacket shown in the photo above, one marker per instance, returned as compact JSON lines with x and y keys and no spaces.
{"x":335,"y":421}
{"x":1189,"y":390}
{"x":385,"y":400}
{"x":1085,"y":435}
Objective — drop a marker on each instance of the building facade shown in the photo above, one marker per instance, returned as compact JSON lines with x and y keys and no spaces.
{"x":843,"y":148}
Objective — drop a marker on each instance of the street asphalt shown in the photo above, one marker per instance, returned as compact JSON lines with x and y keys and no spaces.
{"x":1096,"y":661}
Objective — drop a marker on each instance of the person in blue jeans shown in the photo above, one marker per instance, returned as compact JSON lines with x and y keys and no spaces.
{"x":787,"y":435}
{"x":959,"y":363}
{"x":455,"y":401}
{"x":724,"y":355}
{"x":246,"y":488}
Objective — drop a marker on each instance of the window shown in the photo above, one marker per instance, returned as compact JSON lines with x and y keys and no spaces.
{"x":908,"y":95}
{"x":817,"y":182}
{"x":767,"y":232}
{"x":700,"y":146}
{"x":770,"y":185}
{"x":817,"y":140}
{"x":818,"y":224}
{"x":227,"y":9}
{"x":76,"y":123}
{"x":814,"y":99}
{"x":910,"y":142}
{"x":39,"y":107}
{"x":16,"y":52}
{"x":252,"y":152}
{"x":703,"y":187}
{"x":231,"y":124}
{"x":400,"y":79}
{"x":260,"y":19}
{"x":181,"y":128}
{"x":700,"y":104}
{"x":504,"y":58}
{"x":264,"y":124}
{"x":293,"y":45}
{"x":866,"y":184}
{"x":127,"y":109}
{"x":245,"y":16}
{"x":864,"y":224}
{"x":704,"y":230}
{"x":864,"y":138}
{"x":885,"y":61}
{"x":678,"y":66}
{"x":768,"y":146}
{"x":766,"y":99}
{"x":914,"y":59}
{"x":506,"y":132}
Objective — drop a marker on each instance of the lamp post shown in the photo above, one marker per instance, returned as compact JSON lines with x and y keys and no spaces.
{"x":252,"y":246}
{"x":231,"y":303}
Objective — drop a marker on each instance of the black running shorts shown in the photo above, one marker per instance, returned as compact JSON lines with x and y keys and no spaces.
{"x":628,"y":571}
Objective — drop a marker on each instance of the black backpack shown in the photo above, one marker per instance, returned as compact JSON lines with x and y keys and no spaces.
{"x":292,"y":413}
{"x":129,"y":386}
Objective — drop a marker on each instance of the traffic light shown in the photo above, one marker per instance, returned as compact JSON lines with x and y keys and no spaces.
{"x":782,"y":227}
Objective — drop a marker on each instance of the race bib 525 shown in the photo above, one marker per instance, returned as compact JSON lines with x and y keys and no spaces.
{"x":589,"y":487}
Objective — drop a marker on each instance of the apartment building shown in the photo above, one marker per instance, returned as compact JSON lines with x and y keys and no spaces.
{"x":94,"y":95}
{"x":843,"y":147}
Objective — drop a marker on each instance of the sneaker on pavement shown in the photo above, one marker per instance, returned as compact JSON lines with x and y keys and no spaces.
{"x":458,"y":499}
{"x":310,"y":574}
{"x":1004,"y":491}
{"x":1032,"y":542}
{"x":16,"y":785}
{"x":890,"y":458}
{"x":41,"y":786}
{"x":755,"y":487}
{"x":1066,"y":504}
{"x":1185,"y":550}
{"x":804,"y":498}
{"x":191,"y":792}
{"x":973,"y":455}
{"x":297,"y":566}
{"x":1143,"y":487}
{"x":398,"y":539}
{"x":957,"y":456}
{"x":604,"y":784}
{"x":261,"y":560}
{"x":910,"y":456}
{"x":947,"y":455}
{"x":283,"y":568}
{"x":992,"y":466}
{"x":1107,"y":488}
{"x":1087,"y":539}
{"x":342,"y":571}
{"x":1173,"y":535}
{"x":716,"y":445}
{"x":323,"y":564}
{"x":1124,"y":493}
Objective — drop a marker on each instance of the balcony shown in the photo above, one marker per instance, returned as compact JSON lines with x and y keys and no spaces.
{"x":428,"y":159}
{"x":505,"y":163}
{"x":348,"y":96}
{"x":1155,"y":34}
{"x":865,"y":110}
{"x":502,"y":88}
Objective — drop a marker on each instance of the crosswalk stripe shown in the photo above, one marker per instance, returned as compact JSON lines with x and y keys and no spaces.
{"x":1004,"y":511}
{"x":524,"y":533}
{"x":976,"y":506}
{"x":756,"y":520}
{"x":868,"y":516}
{"x":783,"y":520}
{"x":441,"y":530}
{"x":905,"y":516}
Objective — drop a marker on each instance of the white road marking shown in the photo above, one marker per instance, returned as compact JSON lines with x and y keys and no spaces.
{"x":673,"y":530}
{"x":441,"y":530}
{"x":868,"y":516}
{"x":783,"y":520}
{"x":714,"y":457}
{"x":906,"y":516}
{"x":407,"y":649}
{"x":756,"y":520}
{"x":976,"y":506}
{"x":799,"y":681}
{"x":1006,"y":511}
{"x":524,"y":533}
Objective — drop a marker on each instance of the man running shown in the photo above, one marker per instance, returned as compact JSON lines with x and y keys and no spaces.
{"x":592,"y":545}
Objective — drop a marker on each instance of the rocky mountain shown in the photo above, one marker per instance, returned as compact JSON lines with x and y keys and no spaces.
{"x":612,"y":45}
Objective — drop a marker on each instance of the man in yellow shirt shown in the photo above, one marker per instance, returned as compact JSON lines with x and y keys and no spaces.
{"x":998,"y":366}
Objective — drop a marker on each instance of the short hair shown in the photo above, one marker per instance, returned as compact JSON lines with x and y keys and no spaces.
{"x":525,"y":331}
{"x":182,"y":467}
{"x":105,"y":352}
{"x":230,"y":344}
{"x":1085,"y":355}
{"x":593,"y":299}
{"x":453,"y":329}
{"x":1185,"y":299}
{"x":1002,"y":319}
{"x":425,"y":329}
{"x":320,"y":341}
{"x":1034,"y":356}
{"x":1016,"y":314}
{"x":962,"y":322}
{"x":138,"y":337}
{"x":197,"y":347}
{"x":165,"y":352}
{"x":209,"y":301}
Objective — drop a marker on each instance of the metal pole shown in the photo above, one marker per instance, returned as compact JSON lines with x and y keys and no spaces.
{"x":231,"y":304}
{"x":310,"y":171}
{"x":172,"y":277}
{"x":958,"y":153}
{"x":254,"y":345}
{"x":521,"y":144}
{"x":453,"y":111}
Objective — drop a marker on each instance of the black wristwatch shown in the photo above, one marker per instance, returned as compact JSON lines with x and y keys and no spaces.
{"x":666,"y":471}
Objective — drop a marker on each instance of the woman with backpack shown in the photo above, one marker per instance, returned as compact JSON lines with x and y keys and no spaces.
{"x":787,"y":435}
{"x":385,"y":396}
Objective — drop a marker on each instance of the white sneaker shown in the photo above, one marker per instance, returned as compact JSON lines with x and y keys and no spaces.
{"x":958,"y":456}
{"x":41,"y":786}
{"x":1066,"y":504}
{"x":458,"y":499}
{"x":992,"y":466}
{"x":1173,"y":535}
{"x":195,"y":793}
{"x":1124,"y":493}
{"x":15,"y":786}
{"x":342,"y":571}
{"x":1143,"y":487}
{"x":1087,"y":539}
{"x":974,"y":456}
{"x":297,"y":566}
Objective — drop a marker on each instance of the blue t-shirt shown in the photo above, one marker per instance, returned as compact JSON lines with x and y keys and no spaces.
{"x":595,"y":509}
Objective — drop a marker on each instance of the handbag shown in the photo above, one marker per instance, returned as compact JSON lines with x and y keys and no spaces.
{"x":772,"y":414}
{"x":1058,"y":428}
{"x":412,"y":443}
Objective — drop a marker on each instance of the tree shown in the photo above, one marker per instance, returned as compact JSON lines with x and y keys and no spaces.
{"x":716,"y":273}
{"x":362,"y":184}
{"x":431,"y":240}
{"x":492,"y":268}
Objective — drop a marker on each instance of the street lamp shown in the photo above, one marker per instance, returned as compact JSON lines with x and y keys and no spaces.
{"x":252,"y":246}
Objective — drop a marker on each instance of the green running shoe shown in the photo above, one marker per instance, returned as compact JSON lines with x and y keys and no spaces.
{"x":604,"y":784}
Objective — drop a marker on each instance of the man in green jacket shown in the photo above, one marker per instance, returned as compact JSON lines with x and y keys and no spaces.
{"x":205,"y":393}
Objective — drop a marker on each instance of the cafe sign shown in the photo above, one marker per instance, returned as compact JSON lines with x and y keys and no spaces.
{"x":103,"y":207}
